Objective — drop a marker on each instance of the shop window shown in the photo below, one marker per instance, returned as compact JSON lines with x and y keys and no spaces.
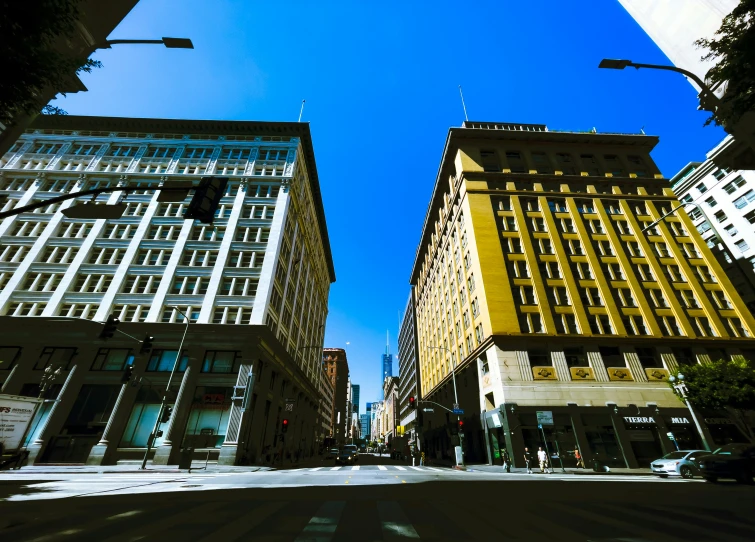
{"x":163,"y":360}
{"x":208,"y":418}
{"x":112,"y":359}
{"x":142,"y":420}
{"x":612,"y":356}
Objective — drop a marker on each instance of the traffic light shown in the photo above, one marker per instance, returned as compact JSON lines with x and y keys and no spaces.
{"x":110,"y":326}
{"x":206,"y":199}
{"x":412,"y":402}
{"x":128,"y":372}
{"x":166,"y":414}
{"x":461,"y":426}
{"x":284,"y":426}
{"x":146,"y":344}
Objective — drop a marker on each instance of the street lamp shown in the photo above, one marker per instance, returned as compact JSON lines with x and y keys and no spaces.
{"x":456,"y":397}
{"x":708,"y":100}
{"x":153,"y":436}
{"x":170,"y":43}
{"x":680,"y":388}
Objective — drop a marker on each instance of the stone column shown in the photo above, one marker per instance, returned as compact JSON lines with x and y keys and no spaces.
{"x":635,"y":367}
{"x":669,"y":360}
{"x":238,"y":420}
{"x":579,"y":434}
{"x":562,"y":369}
{"x":595,"y":360}
{"x":54,"y":419}
{"x":625,"y":445}
{"x":167,"y":453}
{"x":514,"y":442}
{"x":660,"y":425}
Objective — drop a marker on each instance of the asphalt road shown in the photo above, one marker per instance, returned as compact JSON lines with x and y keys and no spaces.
{"x":370,"y":503}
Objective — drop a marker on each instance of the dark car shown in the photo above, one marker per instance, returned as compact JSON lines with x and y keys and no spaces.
{"x":346,"y":457}
{"x":730,"y":461}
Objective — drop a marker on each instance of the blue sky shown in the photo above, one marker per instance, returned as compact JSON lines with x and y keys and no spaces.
{"x":381,"y":87}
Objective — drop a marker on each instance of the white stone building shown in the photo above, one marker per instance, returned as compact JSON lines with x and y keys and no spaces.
{"x":264,"y":263}
{"x":721,"y":203}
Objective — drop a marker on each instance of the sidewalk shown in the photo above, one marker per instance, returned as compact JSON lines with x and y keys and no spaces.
{"x":557,"y":470}
{"x":196,"y":466}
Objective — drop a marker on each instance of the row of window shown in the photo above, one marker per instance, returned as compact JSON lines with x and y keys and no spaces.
{"x":547,"y":163}
{"x":116,"y":359}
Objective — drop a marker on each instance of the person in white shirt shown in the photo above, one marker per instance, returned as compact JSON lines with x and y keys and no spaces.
{"x":542,"y":457}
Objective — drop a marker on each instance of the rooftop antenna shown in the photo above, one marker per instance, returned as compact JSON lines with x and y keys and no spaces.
{"x":387,"y":343}
{"x":642,"y":130}
{"x":466,"y":118}
{"x":302,"y":110}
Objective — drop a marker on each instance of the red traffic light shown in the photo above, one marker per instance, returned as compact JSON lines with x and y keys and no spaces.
{"x":412,"y":402}
{"x":285,"y":422}
{"x":461,"y":424}
{"x":284,"y":426}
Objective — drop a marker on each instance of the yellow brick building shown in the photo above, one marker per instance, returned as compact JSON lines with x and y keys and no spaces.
{"x":547,"y":276}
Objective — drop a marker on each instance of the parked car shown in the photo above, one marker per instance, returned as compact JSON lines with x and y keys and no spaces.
{"x":680,"y":463}
{"x":730,"y":461}
{"x":332,"y":453}
{"x":346,"y":456}
{"x":353,"y":448}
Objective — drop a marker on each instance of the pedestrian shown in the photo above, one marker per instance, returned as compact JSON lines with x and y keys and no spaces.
{"x":527,"y":460}
{"x":578,"y":457}
{"x":506,"y":460}
{"x":422,"y":459}
{"x":542,"y":457}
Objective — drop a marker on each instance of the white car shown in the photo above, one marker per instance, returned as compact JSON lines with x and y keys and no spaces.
{"x":679,"y":463}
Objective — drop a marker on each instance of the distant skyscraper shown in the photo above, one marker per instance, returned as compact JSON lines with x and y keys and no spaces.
{"x":364,"y":422}
{"x":355,"y":397}
{"x":387,"y":361}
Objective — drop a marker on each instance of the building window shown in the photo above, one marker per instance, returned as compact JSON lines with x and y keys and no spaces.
{"x":163,"y":232}
{"x":526,"y":295}
{"x":238,"y":286}
{"x":704,"y":273}
{"x":232,"y":315}
{"x":688,"y":299}
{"x":56,"y":357}
{"x":702,"y":188}
{"x":704,"y":327}
{"x":221,"y":361}
{"x":190,"y":285}
{"x":673,"y":273}
{"x":508,"y":223}
{"x":531,"y":322}
{"x":613,"y":271}
{"x":548,"y":269}
{"x":670,"y":327}
{"x":140,"y":284}
{"x":199,"y":258}
{"x":92,"y":283}
{"x":657,"y":297}
{"x":77,"y":310}
{"x":41,"y":282}
{"x":711,"y":202}
{"x":131,"y":313}
{"x":8,"y":356}
{"x":694,"y":213}
{"x":559,"y":296}
{"x":566,"y":323}
{"x":545,"y":246}
{"x":633,"y":249}
{"x":626,"y":298}
{"x":112,"y":359}
{"x":745,"y":199}
{"x":582,"y":270}
{"x":737,"y":183}
{"x":117,"y":231}
{"x":163,"y":361}
{"x":105,"y":256}
{"x":737,"y":328}
{"x":171,"y":315}
{"x":742,"y":245}
{"x":490,"y":161}
{"x":635,"y":325}
{"x":600,"y":324}
{"x":245,"y":258}
{"x":152,"y":256}
{"x":720,"y":174}
{"x":648,"y":358}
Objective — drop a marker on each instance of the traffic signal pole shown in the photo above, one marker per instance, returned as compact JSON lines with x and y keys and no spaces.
{"x":158,"y":421}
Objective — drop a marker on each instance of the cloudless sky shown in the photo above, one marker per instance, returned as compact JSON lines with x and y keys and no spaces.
{"x":380,"y":81}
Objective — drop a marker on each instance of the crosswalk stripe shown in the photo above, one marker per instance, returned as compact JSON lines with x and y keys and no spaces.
{"x":355,"y":467}
{"x":314,"y":469}
{"x":433,"y":468}
{"x":399,"y":468}
{"x":322,"y":526}
{"x":381,"y":467}
{"x":395,"y":524}
{"x":335,"y":468}
{"x":417,"y":468}
{"x":240,"y":526}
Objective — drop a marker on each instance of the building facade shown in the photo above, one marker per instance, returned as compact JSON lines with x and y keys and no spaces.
{"x":260,"y":265}
{"x":386,"y":361}
{"x":364,"y":423}
{"x":408,"y":384}
{"x":390,"y":409}
{"x":337,"y":370}
{"x":721,"y":205}
{"x":675,"y":26}
{"x":543,"y":278}
{"x":355,"y":397}
{"x":325,"y":412}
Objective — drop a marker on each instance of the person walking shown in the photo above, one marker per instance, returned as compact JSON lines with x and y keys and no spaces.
{"x":542,"y":457}
{"x":578,"y":457}
{"x":528,"y":460}
{"x":506,"y":460}
{"x":422,"y":459}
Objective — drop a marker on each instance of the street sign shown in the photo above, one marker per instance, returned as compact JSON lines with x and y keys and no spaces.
{"x":545,"y":417}
{"x":289,"y":407}
{"x":670,"y":435}
{"x":456,"y":406}
{"x":458,"y":411}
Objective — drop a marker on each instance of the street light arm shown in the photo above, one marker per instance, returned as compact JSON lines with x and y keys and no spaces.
{"x":437,"y":404}
{"x":687,"y":73}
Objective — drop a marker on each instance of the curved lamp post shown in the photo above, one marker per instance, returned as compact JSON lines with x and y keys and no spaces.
{"x":680,"y":388}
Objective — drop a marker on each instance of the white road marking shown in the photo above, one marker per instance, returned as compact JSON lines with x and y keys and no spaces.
{"x":399,"y":468}
{"x":315,"y":469}
{"x":355,"y":467}
{"x":433,"y":468}
{"x":381,"y":467}
{"x":335,"y":468}
{"x":416,"y":468}
{"x":394,"y":522}
{"x":322,"y":526}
